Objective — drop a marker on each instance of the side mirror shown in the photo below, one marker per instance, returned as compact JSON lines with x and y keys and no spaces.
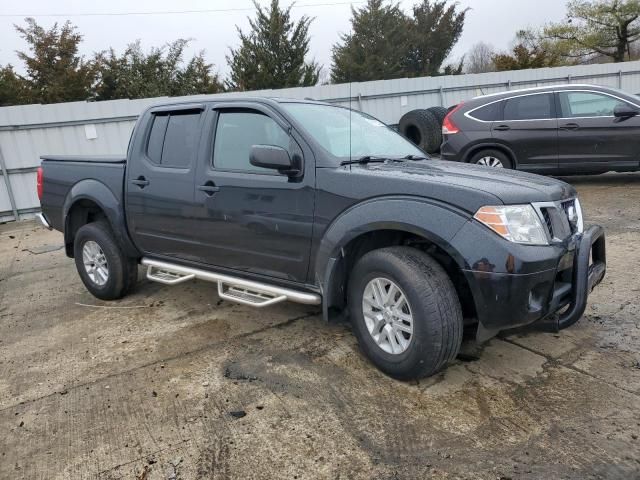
{"x":625,"y":111}
{"x":273,"y":157}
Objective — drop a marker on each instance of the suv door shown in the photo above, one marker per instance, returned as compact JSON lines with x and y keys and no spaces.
{"x":591,"y":138}
{"x":530,"y":129}
{"x":251,"y":218}
{"x":159,"y":184}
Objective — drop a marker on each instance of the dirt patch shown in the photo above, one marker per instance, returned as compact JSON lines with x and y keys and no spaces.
{"x":173,"y":383}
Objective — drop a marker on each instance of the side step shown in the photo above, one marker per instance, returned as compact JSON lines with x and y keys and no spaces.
{"x":235,"y":289}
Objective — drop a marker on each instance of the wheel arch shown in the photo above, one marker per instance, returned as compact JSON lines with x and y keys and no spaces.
{"x":418,"y":223}
{"x":491,"y":146}
{"x":88,"y":201}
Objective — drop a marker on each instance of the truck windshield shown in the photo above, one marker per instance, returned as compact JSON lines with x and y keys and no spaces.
{"x":349,"y":134}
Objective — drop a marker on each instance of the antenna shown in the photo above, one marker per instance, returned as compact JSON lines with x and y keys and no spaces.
{"x":350,"y":110}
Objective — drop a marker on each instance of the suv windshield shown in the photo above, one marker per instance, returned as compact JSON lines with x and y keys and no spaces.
{"x":329,"y":126}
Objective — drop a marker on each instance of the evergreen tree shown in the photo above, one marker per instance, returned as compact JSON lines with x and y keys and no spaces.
{"x":376,"y":47}
{"x":12,"y":88}
{"x":273,"y":53}
{"x":54,"y":70}
{"x":385,"y":43}
{"x":434,"y":30}
{"x":161,"y":72}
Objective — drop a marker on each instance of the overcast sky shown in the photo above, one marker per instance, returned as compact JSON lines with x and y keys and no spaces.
{"x":491,"y":21}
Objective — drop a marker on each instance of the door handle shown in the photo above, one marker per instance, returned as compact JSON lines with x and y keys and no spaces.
{"x":209,"y":188}
{"x":140,"y":181}
{"x":502,"y":128}
{"x":570,"y":126}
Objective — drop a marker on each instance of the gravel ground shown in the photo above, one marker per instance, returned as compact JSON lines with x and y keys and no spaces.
{"x":173,"y":383}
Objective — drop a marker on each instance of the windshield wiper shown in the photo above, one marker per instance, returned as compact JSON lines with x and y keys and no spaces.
{"x":368,"y":159}
{"x":415,"y":157}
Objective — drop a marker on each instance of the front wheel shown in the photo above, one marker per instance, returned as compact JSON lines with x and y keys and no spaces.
{"x":405,"y":312}
{"x":104,"y":269}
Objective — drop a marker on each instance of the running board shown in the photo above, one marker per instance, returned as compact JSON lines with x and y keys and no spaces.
{"x":235,"y":289}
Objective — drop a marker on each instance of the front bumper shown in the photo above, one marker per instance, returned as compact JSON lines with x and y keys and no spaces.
{"x":558,"y":294}
{"x":589,"y":268}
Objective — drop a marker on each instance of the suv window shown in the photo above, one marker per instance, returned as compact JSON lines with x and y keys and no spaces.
{"x":237,"y":132}
{"x":488,"y":113}
{"x":173,"y":140}
{"x":529,"y":107}
{"x":588,"y":104}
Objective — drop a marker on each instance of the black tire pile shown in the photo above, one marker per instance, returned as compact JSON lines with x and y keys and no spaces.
{"x":424,"y":127}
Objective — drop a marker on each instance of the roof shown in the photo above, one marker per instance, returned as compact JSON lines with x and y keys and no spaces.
{"x":541,"y":89}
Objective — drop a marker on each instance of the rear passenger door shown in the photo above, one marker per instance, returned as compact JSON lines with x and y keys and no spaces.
{"x":591,"y":138}
{"x":250,"y":218}
{"x":529,"y":127}
{"x":159,"y":184}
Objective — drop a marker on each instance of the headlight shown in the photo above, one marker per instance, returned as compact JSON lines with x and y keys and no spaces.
{"x":516,"y":223}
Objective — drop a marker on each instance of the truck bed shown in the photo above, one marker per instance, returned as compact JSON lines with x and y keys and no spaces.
{"x":102,"y":176}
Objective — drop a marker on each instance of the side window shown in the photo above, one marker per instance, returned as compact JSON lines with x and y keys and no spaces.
{"x":173,"y":140}
{"x":588,"y":104}
{"x":156,"y":138}
{"x":181,"y":140}
{"x":237,"y":132}
{"x":529,"y":107}
{"x":488,"y":113}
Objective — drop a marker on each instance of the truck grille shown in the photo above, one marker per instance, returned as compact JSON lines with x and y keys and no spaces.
{"x":547,"y":220}
{"x":561,"y":219}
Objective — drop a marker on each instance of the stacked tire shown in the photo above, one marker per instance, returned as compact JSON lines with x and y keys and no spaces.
{"x":423,"y":127}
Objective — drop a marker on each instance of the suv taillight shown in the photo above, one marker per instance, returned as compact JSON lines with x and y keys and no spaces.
{"x":39,"y":183}
{"x":448,"y":125}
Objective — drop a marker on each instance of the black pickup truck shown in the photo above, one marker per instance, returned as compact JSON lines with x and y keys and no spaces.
{"x":278,"y":200}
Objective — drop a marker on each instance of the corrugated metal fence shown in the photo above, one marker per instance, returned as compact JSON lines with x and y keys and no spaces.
{"x":26,"y":132}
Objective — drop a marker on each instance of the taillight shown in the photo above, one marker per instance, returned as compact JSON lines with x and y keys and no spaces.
{"x":448,"y":125}
{"x":39,"y":183}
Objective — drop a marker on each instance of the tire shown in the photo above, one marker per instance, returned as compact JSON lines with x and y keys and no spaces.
{"x":422,"y":128}
{"x":490,"y":155}
{"x":432,"y":303}
{"x":121,"y":271}
{"x":439,"y":113}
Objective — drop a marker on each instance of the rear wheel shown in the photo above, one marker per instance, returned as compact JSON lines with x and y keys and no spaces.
{"x":104,"y":269}
{"x":491,"y":158}
{"x":405,"y":312}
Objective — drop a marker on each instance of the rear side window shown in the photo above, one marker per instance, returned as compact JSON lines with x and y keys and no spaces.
{"x":488,"y":113}
{"x":529,"y":107}
{"x":173,"y":141}
{"x":156,"y":138}
{"x":237,"y":132}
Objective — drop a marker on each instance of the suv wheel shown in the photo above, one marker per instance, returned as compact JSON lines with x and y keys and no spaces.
{"x":104,"y":269}
{"x":405,"y":312}
{"x":491,"y":158}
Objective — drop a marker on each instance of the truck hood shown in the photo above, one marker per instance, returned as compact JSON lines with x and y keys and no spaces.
{"x":506,"y":186}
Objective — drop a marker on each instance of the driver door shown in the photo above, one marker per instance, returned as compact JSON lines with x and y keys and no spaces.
{"x":250,"y":218}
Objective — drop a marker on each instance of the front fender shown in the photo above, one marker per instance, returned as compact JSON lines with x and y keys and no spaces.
{"x":436,"y":222}
{"x":113,"y":209}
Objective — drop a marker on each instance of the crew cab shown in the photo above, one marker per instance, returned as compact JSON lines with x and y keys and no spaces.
{"x":276,"y":199}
